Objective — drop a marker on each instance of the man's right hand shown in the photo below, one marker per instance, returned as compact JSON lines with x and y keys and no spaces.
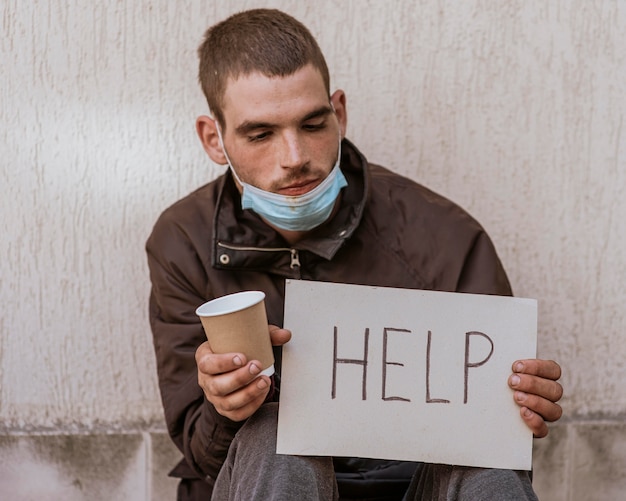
{"x":232,"y":383}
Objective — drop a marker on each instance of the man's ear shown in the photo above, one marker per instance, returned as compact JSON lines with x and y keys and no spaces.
{"x":206,"y":127}
{"x":338,"y":99}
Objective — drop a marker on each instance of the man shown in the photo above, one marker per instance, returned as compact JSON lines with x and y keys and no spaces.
{"x":300,"y":201}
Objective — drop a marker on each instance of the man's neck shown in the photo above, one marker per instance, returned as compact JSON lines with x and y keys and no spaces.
{"x":292,"y":236}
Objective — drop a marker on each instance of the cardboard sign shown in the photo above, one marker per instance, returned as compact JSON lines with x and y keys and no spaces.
{"x":401,"y":374}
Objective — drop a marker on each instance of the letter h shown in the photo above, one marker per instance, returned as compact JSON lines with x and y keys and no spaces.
{"x":351,"y":361}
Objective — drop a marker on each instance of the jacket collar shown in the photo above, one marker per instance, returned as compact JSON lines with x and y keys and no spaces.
{"x":242,"y":240}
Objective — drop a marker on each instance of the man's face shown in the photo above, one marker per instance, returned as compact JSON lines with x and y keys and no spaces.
{"x":281,"y":133}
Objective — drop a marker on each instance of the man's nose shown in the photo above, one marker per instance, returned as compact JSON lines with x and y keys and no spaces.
{"x":292,"y":154}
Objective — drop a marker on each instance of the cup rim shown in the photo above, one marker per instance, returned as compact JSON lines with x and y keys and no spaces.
{"x":239,"y":301}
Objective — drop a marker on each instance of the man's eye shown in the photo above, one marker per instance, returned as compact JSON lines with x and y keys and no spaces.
{"x":259,"y":137}
{"x":314,"y":126}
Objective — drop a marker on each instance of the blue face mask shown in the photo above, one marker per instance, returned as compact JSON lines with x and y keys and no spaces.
{"x":293,"y":213}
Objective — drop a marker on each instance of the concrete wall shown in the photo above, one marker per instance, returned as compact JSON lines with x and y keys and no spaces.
{"x":515,"y":109}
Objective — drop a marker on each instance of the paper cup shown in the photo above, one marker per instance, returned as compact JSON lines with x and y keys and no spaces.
{"x":238,"y":323}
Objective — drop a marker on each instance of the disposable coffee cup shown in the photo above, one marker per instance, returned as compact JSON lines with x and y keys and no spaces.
{"x":237,"y":323}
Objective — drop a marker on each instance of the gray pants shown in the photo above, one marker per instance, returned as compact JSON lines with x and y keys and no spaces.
{"x":253,"y":471}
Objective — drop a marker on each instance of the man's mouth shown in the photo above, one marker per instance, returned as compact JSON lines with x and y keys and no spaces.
{"x":298,"y":188}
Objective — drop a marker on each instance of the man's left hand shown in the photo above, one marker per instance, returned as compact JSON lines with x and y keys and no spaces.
{"x":537,"y":393}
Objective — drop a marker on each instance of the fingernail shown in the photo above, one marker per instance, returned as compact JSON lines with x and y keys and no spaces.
{"x":519,"y":367}
{"x":254,"y":370}
{"x":528,"y":413}
{"x":515,"y":380}
{"x":262,"y":384}
{"x":237,"y":360}
{"x":520,"y":396}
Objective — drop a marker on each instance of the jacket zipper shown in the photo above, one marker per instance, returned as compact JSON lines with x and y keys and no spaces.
{"x":295,"y":259}
{"x":295,"y":256}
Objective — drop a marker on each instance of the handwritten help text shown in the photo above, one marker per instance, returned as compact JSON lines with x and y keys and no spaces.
{"x":387,"y":334}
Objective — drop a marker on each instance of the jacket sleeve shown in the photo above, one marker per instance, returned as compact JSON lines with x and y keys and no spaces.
{"x":179,"y":286}
{"x":482,"y":271}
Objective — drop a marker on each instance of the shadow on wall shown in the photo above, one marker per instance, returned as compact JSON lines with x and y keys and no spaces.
{"x":96,"y":467}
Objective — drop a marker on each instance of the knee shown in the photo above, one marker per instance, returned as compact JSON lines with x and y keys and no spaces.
{"x":265,"y":417}
{"x":263,"y":423}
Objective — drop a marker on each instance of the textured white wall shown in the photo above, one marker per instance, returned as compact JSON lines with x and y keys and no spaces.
{"x":514,"y":109}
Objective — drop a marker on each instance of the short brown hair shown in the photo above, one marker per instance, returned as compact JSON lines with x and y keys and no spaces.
{"x":267,"y":41}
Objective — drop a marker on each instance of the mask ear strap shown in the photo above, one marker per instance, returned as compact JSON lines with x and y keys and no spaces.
{"x":335,"y":112}
{"x":339,"y":153}
{"x":230,"y":164}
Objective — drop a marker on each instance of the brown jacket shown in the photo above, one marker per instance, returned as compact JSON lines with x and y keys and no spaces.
{"x":388,"y":231}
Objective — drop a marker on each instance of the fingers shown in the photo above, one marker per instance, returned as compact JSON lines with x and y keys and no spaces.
{"x":240,"y":413}
{"x":535,"y":422}
{"x":230,"y":383}
{"x":212,"y":364}
{"x":535,"y":385}
{"x":547,"y":410}
{"x":537,"y":377}
{"x":223,"y":383}
{"x":536,"y":392}
{"x":547,"y":369}
{"x":243,"y":402}
{"x":236,"y":394}
{"x":279,"y":336}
